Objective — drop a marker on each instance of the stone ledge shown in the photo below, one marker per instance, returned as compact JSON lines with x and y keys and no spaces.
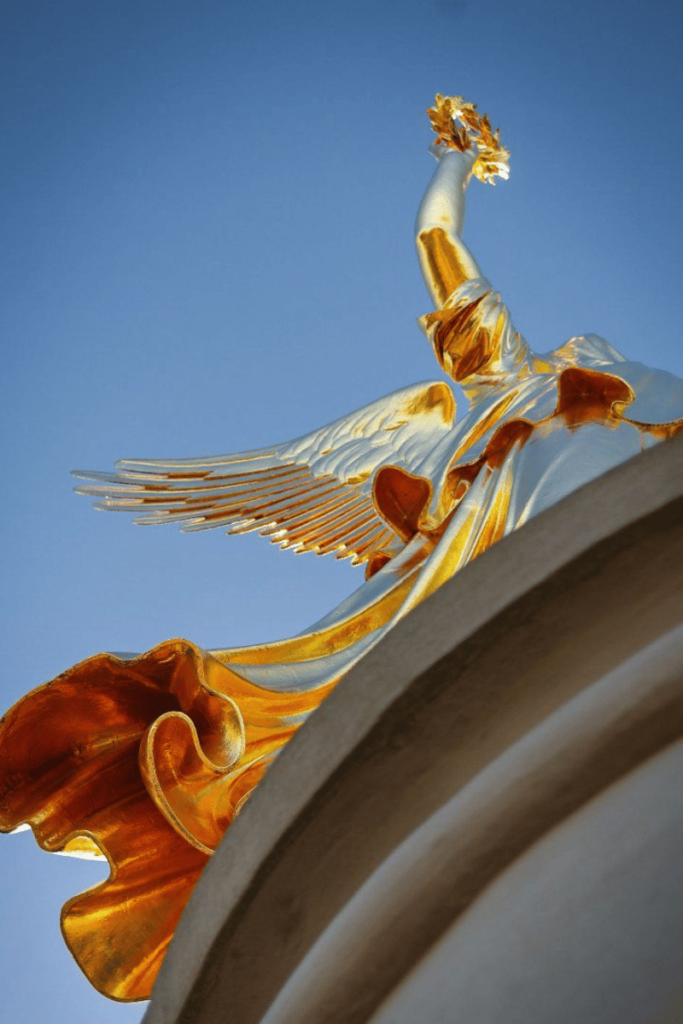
{"x":529,"y":628}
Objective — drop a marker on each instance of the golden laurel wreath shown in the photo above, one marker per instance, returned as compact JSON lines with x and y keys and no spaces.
{"x":458,"y":124}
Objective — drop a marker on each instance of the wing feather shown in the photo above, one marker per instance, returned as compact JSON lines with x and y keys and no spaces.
{"x":310,"y":494}
{"x":318,"y":524}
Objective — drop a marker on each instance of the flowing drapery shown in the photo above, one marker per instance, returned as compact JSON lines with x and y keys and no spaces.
{"x":148,"y":760}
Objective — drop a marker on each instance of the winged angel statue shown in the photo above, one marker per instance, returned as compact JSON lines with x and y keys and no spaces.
{"x":148,"y":760}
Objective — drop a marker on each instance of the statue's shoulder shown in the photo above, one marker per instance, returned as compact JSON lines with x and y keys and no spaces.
{"x":589,"y":350}
{"x":657,"y":394}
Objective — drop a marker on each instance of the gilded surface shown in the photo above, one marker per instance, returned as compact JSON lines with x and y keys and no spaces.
{"x":147,"y":761}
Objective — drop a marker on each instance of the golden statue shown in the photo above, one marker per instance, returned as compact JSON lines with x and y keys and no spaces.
{"x":147,"y":760}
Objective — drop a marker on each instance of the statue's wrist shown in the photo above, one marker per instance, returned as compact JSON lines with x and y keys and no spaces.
{"x":456,"y":167}
{"x":465,"y":160}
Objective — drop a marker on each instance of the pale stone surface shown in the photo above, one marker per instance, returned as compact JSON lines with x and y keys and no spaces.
{"x":503,"y":712}
{"x":586,"y":927}
{"x":432,"y":875}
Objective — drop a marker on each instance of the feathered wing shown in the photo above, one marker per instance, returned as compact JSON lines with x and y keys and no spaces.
{"x":310,"y":494}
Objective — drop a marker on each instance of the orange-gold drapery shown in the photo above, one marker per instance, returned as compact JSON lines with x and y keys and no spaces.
{"x":124,"y":757}
{"x":148,"y":760}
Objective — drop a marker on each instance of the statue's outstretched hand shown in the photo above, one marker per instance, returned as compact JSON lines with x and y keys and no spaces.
{"x":468,"y":157}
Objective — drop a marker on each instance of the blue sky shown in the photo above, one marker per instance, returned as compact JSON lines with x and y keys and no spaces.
{"x":206,"y":216}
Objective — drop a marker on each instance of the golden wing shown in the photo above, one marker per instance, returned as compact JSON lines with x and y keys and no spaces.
{"x":310,"y":494}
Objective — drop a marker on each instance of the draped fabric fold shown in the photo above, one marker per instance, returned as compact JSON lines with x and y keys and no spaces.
{"x":147,"y":761}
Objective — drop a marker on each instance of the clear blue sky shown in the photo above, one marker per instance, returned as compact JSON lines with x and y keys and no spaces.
{"x":207,"y":214}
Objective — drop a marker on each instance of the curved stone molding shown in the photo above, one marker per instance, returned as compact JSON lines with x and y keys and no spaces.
{"x":586,"y":926}
{"x":439,"y":871}
{"x":516,"y":726}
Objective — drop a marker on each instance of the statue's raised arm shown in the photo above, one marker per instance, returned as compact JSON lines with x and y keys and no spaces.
{"x":465,"y":146}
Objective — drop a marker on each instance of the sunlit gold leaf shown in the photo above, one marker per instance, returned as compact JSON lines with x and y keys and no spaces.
{"x":474,"y":130}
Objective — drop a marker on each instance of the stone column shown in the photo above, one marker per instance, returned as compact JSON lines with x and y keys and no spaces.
{"x":484,"y":822}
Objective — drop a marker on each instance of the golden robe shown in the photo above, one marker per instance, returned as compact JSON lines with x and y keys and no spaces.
{"x":148,"y":760}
